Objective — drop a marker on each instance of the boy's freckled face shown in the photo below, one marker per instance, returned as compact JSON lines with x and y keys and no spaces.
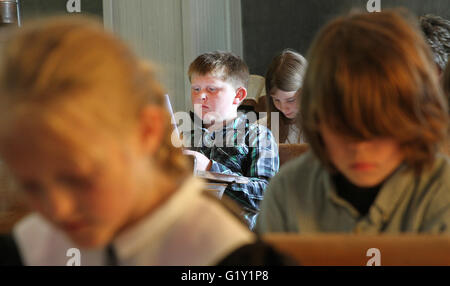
{"x":88,"y":196}
{"x":213,"y":97}
{"x":364,"y":163}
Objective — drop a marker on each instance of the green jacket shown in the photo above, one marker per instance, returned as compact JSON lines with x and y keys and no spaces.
{"x":302,"y":198}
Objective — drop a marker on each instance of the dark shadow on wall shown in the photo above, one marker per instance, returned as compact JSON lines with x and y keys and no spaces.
{"x":32,"y":9}
{"x":269,"y":26}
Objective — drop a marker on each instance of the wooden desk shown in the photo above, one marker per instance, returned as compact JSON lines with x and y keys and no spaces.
{"x":351,"y":250}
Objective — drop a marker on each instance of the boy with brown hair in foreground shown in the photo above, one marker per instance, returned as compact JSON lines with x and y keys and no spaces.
{"x":375,"y":117}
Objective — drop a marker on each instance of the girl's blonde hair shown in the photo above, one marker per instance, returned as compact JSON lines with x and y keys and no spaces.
{"x":286,"y":73}
{"x":372,"y":75}
{"x":73,"y":65}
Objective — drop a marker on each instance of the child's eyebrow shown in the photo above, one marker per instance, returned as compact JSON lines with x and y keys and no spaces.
{"x":287,"y":98}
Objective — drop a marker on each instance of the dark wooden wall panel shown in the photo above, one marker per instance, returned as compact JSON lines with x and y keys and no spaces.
{"x":38,"y":8}
{"x":269,"y":26}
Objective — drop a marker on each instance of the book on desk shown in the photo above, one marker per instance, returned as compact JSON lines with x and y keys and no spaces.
{"x":217,"y":182}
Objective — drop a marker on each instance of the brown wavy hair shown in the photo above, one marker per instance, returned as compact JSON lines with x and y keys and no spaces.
{"x":372,"y":75}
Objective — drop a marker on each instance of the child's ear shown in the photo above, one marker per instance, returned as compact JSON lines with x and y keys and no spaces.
{"x":152,"y":127}
{"x":241,"y":94}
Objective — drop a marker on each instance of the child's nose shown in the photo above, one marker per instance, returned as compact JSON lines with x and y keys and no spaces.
{"x":58,"y":204}
{"x":359,"y":145}
{"x":285,"y":108}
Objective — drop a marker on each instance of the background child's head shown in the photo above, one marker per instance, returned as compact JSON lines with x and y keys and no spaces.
{"x":446,"y":86}
{"x":84,"y":129}
{"x":284,"y":79}
{"x":437,"y":33}
{"x":446,"y":83}
{"x":371,"y":97}
{"x":218,"y":84}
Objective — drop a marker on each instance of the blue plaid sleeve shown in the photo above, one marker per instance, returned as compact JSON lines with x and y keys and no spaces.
{"x":263,"y":164}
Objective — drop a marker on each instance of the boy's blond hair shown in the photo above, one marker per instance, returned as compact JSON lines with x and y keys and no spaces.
{"x":372,"y":75}
{"x":72,"y":66}
{"x":223,"y":65}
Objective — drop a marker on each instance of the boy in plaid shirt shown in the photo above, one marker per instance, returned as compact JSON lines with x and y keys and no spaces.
{"x":224,"y":141}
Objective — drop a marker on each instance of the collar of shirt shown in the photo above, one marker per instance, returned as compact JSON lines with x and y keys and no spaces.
{"x":149,"y":233}
{"x":43,"y":244}
{"x":294,"y":136}
{"x":385,"y":202}
{"x":238,"y":122}
{"x":234,"y":130}
{"x":40,"y":243}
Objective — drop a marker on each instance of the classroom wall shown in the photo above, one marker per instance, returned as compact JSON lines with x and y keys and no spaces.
{"x":171,"y":33}
{"x":31,"y":9}
{"x":272,"y":25}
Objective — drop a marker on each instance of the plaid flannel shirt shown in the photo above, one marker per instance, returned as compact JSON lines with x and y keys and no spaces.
{"x":240,"y":148}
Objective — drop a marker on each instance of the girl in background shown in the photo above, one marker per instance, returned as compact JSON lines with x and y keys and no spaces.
{"x":284,"y":80}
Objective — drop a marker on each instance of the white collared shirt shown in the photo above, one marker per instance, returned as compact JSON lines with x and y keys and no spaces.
{"x":188,"y":229}
{"x":294,"y":136}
